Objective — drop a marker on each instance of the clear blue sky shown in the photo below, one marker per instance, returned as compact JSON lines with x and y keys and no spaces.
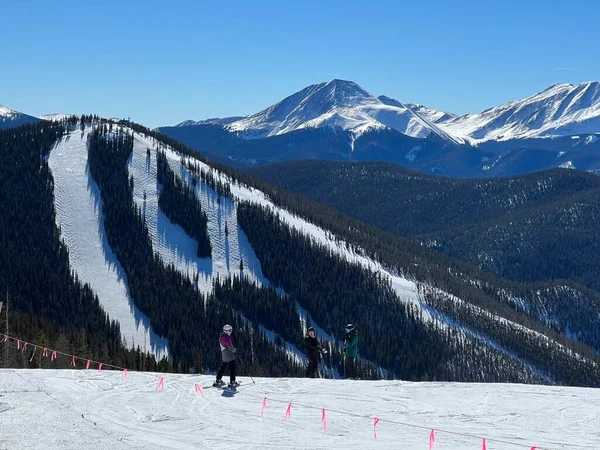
{"x":162,"y":62}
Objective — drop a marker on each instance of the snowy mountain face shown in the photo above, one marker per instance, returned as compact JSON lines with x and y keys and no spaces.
{"x":336,"y":104}
{"x":11,"y":118}
{"x":212,"y":121}
{"x":560,"y":110}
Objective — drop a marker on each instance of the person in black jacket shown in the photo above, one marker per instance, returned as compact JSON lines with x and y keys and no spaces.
{"x":313,"y":348}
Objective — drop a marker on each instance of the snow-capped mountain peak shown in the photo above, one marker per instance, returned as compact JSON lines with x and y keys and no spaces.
{"x":336,"y":104}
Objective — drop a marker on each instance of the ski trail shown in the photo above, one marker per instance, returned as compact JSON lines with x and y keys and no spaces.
{"x":172,"y":243}
{"x":78,"y":206}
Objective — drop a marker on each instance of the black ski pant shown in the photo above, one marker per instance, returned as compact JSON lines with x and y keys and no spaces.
{"x":311,"y":369}
{"x":351,"y":367}
{"x":221,"y":372}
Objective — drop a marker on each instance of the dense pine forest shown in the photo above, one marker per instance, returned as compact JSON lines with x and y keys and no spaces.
{"x":495,"y":224}
{"x":537,"y":229}
{"x":179,"y":203}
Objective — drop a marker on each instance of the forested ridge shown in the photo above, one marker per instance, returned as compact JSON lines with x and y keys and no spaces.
{"x":48,"y":304}
{"x":538,"y":230}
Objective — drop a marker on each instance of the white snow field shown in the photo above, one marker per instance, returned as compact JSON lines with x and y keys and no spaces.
{"x":77,"y":409}
{"x":79,"y":216}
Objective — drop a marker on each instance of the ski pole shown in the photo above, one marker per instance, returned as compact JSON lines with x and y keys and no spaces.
{"x":246,"y":369}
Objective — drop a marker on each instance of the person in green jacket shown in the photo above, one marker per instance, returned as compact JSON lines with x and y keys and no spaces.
{"x":350,"y":350}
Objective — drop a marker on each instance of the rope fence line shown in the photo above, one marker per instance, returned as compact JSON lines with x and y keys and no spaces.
{"x":22,"y":346}
{"x":378,"y":419}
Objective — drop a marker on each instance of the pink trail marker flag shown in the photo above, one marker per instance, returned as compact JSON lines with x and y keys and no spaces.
{"x":100,"y":368}
{"x":199,"y":390}
{"x":73,"y":361}
{"x":45,"y":352}
{"x":18,"y":345}
{"x":375,"y":421}
{"x":33,"y":354}
{"x":124,"y":374}
{"x":53,"y":357}
{"x":262,"y":408}
{"x":288,"y":412}
{"x":87,"y":365}
{"x":324,"y":420}
{"x":431,"y":439}
{"x":160,"y":385}
{"x":483,"y":446}
{"x":24,"y":347}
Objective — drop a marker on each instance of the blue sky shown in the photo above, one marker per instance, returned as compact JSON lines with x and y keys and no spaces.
{"x":162,"y":62}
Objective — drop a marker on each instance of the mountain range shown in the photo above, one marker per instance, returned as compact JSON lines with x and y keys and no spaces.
{"x":559,"y":127}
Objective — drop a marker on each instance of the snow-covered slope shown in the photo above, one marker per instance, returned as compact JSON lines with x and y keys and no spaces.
{"x":75,"y":409}
{"x":11,"y":118}
{"x":560,"y":110}
{"x":336,"y":103}
{"x":78,"y":206}
{"x":171,"y":242}
{"x":432,"y":115}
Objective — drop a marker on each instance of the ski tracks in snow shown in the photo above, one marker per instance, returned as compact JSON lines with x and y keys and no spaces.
{"x":73,"y":409}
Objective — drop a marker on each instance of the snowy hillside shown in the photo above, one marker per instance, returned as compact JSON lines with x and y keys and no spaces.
{"x":75,"y":409}
{"x":560,"y":110}
{"x":336,"y":103}
{"x":11,"y":118}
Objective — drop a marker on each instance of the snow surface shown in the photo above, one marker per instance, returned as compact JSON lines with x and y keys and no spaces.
{"x":75,"y":409}
{"x":78,"y":206}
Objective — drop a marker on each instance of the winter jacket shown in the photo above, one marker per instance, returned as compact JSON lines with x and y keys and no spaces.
{"x":227,"y":348}
{"x":312,"y":347}
{"x":351,"y":344}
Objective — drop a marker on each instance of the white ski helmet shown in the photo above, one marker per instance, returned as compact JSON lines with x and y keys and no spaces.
{"x":228,"y":329}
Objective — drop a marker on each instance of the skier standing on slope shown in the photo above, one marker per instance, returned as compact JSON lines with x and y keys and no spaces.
{"x":313,"y":348}
{"x":350,"y":350}
{"x":228,"y":356}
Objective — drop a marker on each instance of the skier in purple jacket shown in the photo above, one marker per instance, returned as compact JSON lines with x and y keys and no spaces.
{"x":228,"y":356}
